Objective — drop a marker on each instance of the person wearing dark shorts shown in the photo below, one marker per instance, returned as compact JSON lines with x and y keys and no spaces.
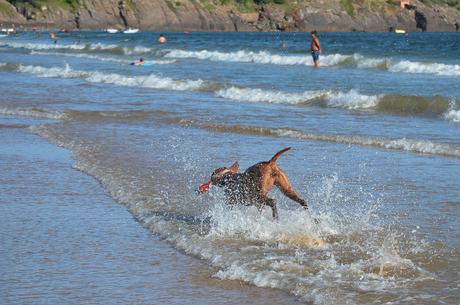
{"x":315,"y":48}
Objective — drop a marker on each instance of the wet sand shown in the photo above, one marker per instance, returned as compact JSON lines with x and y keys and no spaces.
{"x":64,"y":240}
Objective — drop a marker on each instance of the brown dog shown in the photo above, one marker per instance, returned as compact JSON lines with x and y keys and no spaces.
{"x":252,"y":186}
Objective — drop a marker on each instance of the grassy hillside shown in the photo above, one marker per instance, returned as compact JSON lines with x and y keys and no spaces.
{"x":39,"y":4}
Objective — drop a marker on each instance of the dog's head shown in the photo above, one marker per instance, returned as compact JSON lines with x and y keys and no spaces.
{"x":218,"y":177}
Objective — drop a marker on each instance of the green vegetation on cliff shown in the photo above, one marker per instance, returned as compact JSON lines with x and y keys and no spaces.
{"x":5,"y":9}
{"x":453,"y":3}
{"x":39,"y":4}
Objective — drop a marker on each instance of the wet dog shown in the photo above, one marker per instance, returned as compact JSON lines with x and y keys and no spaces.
{"x":252,"y":186}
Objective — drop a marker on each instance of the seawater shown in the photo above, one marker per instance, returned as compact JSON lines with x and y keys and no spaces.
{"x":376,"y":149}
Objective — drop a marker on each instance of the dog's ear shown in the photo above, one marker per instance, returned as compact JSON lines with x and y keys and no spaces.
{"x":234,"y":167}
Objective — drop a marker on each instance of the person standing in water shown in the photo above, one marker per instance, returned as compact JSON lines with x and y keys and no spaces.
{"x":315,"y":48}
{"x":53,"y":37}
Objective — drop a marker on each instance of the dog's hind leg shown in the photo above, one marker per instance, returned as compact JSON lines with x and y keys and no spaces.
{"x":271,"y":203}
{"x":282,"y":182}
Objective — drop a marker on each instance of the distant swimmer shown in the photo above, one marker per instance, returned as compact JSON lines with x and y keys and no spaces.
{"x":139,"y":62}
{"x":53,"y":37}
{"x":162,"y":39}
{"x":282,"y":45}
{"x":315,"y":48}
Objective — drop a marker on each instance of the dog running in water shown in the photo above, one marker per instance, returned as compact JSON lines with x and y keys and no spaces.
{"x":252,"y":186}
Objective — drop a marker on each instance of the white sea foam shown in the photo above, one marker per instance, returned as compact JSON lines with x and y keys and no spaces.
{"x":127,"y":50}
{"x":34,"y":112}
{"x":428,"y":68}
{"x":350,"y":100}
{"x":150,"y":81}
{"x":453,"y":115}
{"x":162,"y":61}
{"x":264,"y":57}
{"x":81,"y":55}
{"x":43,"y":46}
{"x":267,"y":96}
{"x":261,"y":57}
{"x":65,"y":72}
{"x":102,"y":58}
{"x":411,"y":145}
{"x":294,"y":227}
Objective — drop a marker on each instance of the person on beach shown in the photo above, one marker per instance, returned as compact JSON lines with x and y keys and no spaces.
{"x":139,"y":62}
{"x":315,"y":48}
{"x":53,"y":37}
{"x":162,"y":39}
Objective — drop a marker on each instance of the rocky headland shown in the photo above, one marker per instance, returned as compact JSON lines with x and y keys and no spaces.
{"x":234,"y":15}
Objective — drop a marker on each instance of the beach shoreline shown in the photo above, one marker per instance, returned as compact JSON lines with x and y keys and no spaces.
{"x":101,"y":161}
{"x":65,"y":241}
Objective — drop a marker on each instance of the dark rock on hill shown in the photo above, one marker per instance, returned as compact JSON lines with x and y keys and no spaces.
{"x":206,"y":15}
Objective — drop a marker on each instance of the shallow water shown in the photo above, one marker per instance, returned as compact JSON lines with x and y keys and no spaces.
{"x":65,"y":241}
{"x":376,"y":146}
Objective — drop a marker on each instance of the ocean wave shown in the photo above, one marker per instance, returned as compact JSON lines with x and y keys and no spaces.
{"x":268,"y":96}
{"x":103,"y":58}
{"x":13,"y":126}
{"x":92,"y":47}
{"x":453,"y":115}
{"x":427,"y":68}
{"x":352,"y":99}
{"x":261,"y":57}
{"x":349,"y":100}
{"x":358,"y":60}
{"x":401,"y":144}
{"x":34,"y":112}
{"x":42,"y":46}
{"x":150,"y":81}
{"x":8,"y":67}
{"x":81,"y":55}
{"x":76,"y":115}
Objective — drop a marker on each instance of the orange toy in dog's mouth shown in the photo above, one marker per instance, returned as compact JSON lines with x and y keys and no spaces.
{"x":204,"y":187}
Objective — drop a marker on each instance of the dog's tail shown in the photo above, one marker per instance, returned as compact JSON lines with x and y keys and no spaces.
{"x":278,"y":154}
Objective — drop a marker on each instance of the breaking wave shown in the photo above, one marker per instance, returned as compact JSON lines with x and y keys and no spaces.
{"x":360,"y":61}
{"x":34,"y":112}
{"x":401,"y":144}
{"x":96,"y":47}
{"x":350,"y":100}
{"x":76,"y":115}
{"x":453,"y":115}
{"x":261,"y":57}
{"x":81,"y":55}
{"x":353,"y":99}
{"x":103,"y":58}
{"x":150,"y":81}
{"x":427,"y":68}
{"x":42,"y":46}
